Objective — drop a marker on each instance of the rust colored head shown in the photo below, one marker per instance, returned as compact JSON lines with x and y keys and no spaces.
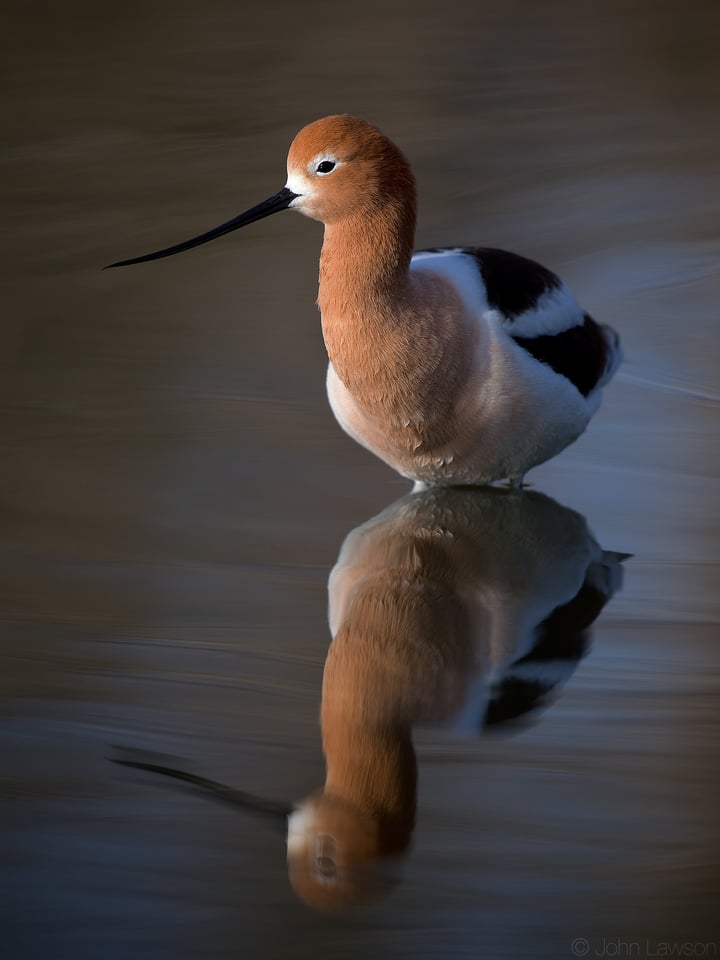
{"x":340,"y":166}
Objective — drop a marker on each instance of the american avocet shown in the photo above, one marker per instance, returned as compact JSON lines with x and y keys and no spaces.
{"x":461,"y":365}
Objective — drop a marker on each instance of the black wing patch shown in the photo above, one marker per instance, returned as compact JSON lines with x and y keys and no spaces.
{"x":580,"y":354}
{"x":513,"y":283}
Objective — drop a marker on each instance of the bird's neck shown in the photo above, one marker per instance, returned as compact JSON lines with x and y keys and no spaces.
{"x":375,"y":771}
{"x":388,"y":334}
{"x":364,"y":261}
{"x":367,"y":744}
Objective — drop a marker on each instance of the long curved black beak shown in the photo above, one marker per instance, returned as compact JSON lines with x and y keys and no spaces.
{"x":280,"y":201}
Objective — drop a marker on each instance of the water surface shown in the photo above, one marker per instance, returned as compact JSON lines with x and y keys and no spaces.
{"x":175,"y":491}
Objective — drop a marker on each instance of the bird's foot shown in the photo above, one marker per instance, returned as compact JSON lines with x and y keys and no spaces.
{"x":515,"y":483}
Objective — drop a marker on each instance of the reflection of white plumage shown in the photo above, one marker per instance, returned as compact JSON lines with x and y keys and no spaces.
{"x":434,"y":604}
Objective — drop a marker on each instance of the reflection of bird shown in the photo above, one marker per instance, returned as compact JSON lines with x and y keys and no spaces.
{"x":453,"y":606}
{"x":454,"y":366}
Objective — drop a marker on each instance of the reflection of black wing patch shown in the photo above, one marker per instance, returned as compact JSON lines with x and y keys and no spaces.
{"x":580,"y":354}
{"x":562,"y":640}
{"x":513,"y":283}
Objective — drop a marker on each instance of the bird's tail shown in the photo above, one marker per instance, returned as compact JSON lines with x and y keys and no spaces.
{"x":614,"y":353}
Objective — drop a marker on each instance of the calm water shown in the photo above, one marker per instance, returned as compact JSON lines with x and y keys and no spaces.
{"x":174,"y":490}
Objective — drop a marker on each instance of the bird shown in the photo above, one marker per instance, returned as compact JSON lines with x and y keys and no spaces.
{"x":465,"y":365}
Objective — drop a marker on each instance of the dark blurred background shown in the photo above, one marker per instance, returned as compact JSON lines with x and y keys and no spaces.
{"x":174,"y":489}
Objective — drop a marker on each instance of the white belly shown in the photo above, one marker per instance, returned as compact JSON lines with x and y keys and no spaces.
{"x":512,"y":414}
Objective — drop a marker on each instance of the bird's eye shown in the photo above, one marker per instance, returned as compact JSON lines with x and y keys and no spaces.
{"x":325,"y":166}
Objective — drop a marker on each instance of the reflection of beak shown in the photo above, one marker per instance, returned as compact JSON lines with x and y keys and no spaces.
{"x":273,"y":809}
{"x":280,"y":201}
